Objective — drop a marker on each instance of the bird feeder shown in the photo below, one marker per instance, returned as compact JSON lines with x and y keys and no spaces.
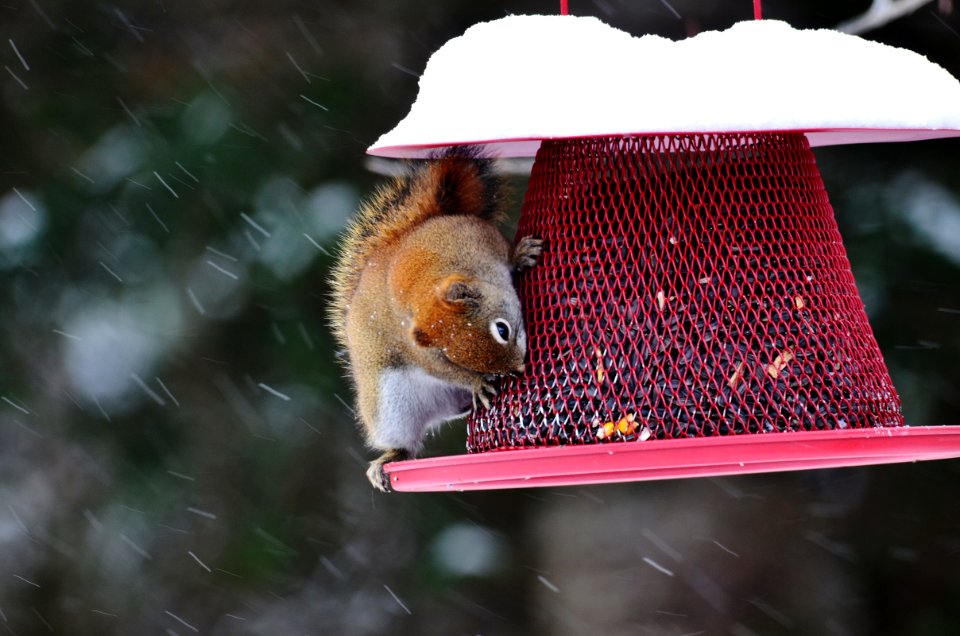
{"x":694,"y":311}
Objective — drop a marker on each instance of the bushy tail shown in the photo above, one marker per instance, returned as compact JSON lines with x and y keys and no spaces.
{"x":461,"y":181}
{"x":458,"y":181}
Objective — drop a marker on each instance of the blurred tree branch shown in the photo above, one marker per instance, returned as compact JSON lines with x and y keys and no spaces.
{"x":880,"y":13}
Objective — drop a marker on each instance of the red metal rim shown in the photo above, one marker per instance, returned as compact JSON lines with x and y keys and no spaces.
{"x":675,"y":459}
{"x":527,"y":146}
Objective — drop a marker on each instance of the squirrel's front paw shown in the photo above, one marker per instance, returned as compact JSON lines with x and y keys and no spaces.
{"x":485,"y":392}
{"x":526,"y":253}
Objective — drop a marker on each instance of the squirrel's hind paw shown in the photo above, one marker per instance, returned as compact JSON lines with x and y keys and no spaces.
{"x":375,"y":473}
{"x":526,"y":253}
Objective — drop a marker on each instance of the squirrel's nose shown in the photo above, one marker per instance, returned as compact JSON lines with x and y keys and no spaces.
{"x":520,"y":368}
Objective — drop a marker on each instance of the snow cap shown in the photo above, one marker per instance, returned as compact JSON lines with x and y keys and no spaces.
{"x":512,"y":82}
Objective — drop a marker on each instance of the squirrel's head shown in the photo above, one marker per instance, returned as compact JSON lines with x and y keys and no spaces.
{"x":475,"y":325}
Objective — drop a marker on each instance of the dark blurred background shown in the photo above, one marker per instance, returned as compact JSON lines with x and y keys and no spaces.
{"x":176,"y":455}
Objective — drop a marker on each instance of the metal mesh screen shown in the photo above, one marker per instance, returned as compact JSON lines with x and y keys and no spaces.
{"x":691,"y":285}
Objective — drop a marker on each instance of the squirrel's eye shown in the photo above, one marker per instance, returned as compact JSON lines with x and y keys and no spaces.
{"x":501,"y":331}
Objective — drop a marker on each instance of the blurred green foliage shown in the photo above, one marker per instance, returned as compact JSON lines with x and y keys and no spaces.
{"x":177,"y":453}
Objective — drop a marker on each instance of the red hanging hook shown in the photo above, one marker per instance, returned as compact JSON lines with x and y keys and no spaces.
{"x":564,"y":9}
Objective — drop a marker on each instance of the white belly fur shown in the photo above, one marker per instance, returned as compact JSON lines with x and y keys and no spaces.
{"x":411,"y":403}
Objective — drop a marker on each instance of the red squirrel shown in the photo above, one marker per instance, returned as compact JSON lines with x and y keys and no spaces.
{"x":423,"y":301}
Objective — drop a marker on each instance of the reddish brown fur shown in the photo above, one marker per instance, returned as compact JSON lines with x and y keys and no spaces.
{"x":458,"y":183}
{"x":423,"y":295}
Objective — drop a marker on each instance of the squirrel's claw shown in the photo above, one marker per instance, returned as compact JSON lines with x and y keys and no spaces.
{"x":378,"y":477}
{"x":485,"y":392}
{"x":526,"y":253}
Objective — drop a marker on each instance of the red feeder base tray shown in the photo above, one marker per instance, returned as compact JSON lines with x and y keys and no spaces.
{"x":675,"y":458}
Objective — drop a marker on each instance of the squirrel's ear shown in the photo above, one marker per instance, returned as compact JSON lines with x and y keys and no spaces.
{"x":458,"y":294}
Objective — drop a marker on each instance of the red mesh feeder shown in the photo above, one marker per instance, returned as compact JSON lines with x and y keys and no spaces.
{"x":693,"y":314}
{"x":692,"y":286}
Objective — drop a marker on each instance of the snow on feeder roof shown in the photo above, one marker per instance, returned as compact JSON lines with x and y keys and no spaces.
{"x":512,"y":82}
